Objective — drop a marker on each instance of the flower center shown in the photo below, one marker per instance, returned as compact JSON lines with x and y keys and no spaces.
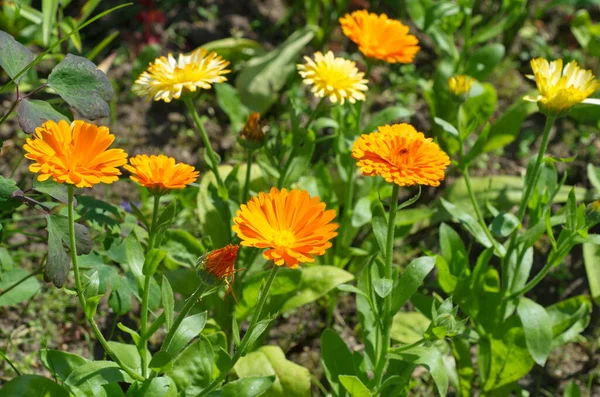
{"x":283,"y":238}
{"x":400,"y":157}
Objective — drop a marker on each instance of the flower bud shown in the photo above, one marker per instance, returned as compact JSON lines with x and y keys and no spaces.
{"x":218,"y":266}
{"x":459,"y":86}
{"x":252,"y":135}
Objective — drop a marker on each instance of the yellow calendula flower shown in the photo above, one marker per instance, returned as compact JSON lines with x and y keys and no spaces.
{"x":560,"y":88}
{"x":160,"y":173}
{"x":336,"y":78}
{"x":76,"y":153}
{"x":380,"y":37}
{"x":168,"y":78}
{"x":401,"y":155}
{"x":460,"y":85}
{"x":291,"y":224}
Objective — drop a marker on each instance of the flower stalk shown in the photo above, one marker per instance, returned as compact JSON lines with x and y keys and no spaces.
{"x":79,"y":288}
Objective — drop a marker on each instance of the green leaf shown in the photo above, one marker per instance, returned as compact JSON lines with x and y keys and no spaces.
{"x":193,"y":369}
{"x":477,"y":110}
{"x":445,"y":278}
{"x":82,"y":86}
{"x":411,"y":279}
{"x":354,"y":386}
{"x":234,"y":48}
{"x":33,"y":113}
{"x":337,"y":359}
{"x":248,"y":387}
{"x":453,"y":250}
{"x":409,"y":327}
{"x":229,"y":101}
{"x":61,"y":363}
{"x":508,"y":125}
{"x":7,"y":187}
{"x":389,"y":115}
{"x":52,"y":189}
{"x":591,"y":258}
{"x":569,"y":318}
{"x":21,"y":292}
{"x":510,"y":360}
{"x":383,"y":286}
{"x":429,"y":357}
{"x":264,"y":76}
{"x":292,"y":380}
{"x":446,"y":127}
{"x":504,"y":224}
{"x":301,"y":160}
{"x":379,"y":225}
{"x":461,"y":350}
{"x":361,"y":214}
{"x":92,"y":378}
{"x":468,"y":222}
{"x":32,"y":386}
{"x":571,"y":216}
{"x":481,"y":63}
{"x":157,"y":387}
{"x":160,"y":360}
{"x":15,"y":56}
{"x":91,"y":305}
{"x":168,"y":301}
{"x":129,"y":355}
{"x":537,"y":327}
{"x":189,"y":328}
{"x":572,"y":390}
{"x":316,"y":282}
{"x":49,"y":9}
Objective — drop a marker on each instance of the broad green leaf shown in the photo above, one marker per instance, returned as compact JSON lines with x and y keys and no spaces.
{"x":383,"y":286}
{"x":504,"y":224}
{"x":61,"y":363}
{"x":537,"y":327}
{"x":189,"y":329}
{"x":193,"y":369}
{"x":510,"y":360}
{"x":478,"y":109}
{"x":160,"y":360}
{"x":389,"y":115}
{"x":446,"y":127}
{"x":292,"y":380}
{"x":168,"y":301}
{"x":92,"y":378}
{"x":33,"y":113}
{"x":354,"y":386}
{"x":461,"y":350}
{"x":264,"y":76}
{"x":483,"y":60}
{"x":248,"y":387}
{"x":157,"y":387}
{"x":410,"y":280}
{"x":409,"y":327}
{"x":22,"y":292}
{"x":337,"y":359}
{"x":379,"y":225}
{"x":52,"y":189}
{"x":129,"y":355}
{"x":569,"y":318}
{"x":508,"y":125}
{"x":153,"y":258}
{"x":32,"y":386}
{"x":591,"y":258}
{"x":445,"y":278}
{"x":572,"y":390}
{"x":453,"y":250}
{"x":82,"y":86}
{"x":7,"y":187}
{"x":361,"y":214}
{"x":235,"y":48}
{"x":429,"y":357}
{"x":316,"y":282}
{"x":15,"y":56}
{"x":229,"y":101}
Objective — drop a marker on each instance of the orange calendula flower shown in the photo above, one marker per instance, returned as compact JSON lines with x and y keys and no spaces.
{"x":75,"y":153}
{"x":401,"y":155}
{"x":380,"y":37}
{"x":160,"y":173}
{"x":291,"y":224}
{"x":168,"y":78}
{"x":219,"y":264}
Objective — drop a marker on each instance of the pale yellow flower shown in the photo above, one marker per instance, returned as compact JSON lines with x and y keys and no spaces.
{"x":560,"y":88}
{"x":336,"y":78}
{"x":167,"y":77}
{"x":460,"y":85}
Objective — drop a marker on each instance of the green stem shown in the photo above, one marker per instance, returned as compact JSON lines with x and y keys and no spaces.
{"x":525,"y":198}
{"x":385,"y":342}
{"x":243,"y":344}
{"x":5,"y":358}
{"x":13,"y":106}
{"x":211,"y":153}
{"x":248,"y":174}
{"x":143,"y":345}
{"x":79,"y":289}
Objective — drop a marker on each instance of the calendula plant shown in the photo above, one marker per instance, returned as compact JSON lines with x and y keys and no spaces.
{"x":382,"y":246}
